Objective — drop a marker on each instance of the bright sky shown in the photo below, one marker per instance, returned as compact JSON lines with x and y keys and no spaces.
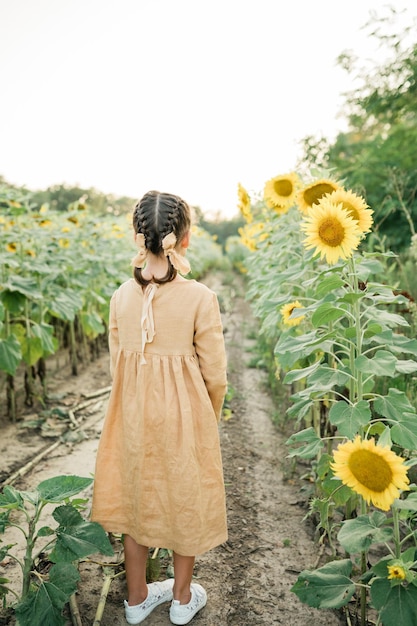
{"x":185,"y":96}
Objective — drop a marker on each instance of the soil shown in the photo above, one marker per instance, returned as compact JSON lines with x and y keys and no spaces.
{"x":248,"y":579}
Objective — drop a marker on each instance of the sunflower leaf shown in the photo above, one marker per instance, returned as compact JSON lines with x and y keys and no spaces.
{"x":312,"y":443}
{"x":325,"y":313}
{"x":383,"y":363}
{"x":294,"y":375}
{"x":328,"y":587}
{"x":356,"y":535}
{"x":404,"y":432}
{"x":393,"y":405}
{"x":349,"y":418}
{"x":396,"y":604}
{"x":398,"y":343}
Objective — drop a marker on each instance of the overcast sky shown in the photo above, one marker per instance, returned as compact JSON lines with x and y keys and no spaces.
{"x":185,"y":96}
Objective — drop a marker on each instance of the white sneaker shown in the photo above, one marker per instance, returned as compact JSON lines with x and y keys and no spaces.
{"x":184,"y":613}
{"x":158,"y":593}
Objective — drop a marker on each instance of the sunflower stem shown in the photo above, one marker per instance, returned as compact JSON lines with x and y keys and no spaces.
{"x":396,"y":526}
{"x":364,"y":560}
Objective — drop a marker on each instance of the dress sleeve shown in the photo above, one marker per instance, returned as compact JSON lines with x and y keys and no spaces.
{"x":113,"y":335}
{"x":211,"y":352}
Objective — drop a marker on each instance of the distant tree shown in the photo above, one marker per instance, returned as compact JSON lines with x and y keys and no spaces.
{"x":221,"y":228}
{"x":376,"y":157}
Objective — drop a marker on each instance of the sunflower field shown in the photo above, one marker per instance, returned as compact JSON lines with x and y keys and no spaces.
{"x":58,"y":272}
{"x":342,"y":340}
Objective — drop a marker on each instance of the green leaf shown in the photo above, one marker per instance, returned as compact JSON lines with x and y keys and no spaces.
{"x":13,"y":301}
{"x":66,"y":305}
{"x":10,"y":498}
{"x":328,"y":587}
{"x":294,"y":375}
{"x":59,"y":488}
{"x":44,"y":606}
{"x":329,"y":284}
{"x":409,"y":504}
{"x":350,"y":418}
{"x":31,"y":350}
{"x":312,"y":443}
{"x":328,"y":377}
{"x":23,"y":285}
{"x":325,"y":313}
{"x":92,"y":324}
{"x":393,"y":405}
{"x":405,"y":366}
{"x":10,"y":355}
{"x":356,"y":535}
{"x":398,"y":343}
{"x":396,"y":604}
{"x":45,"y":332}
{"x":300,"y":407}
{"x":77,"y":538}
{"x":381,"y":364}
{"x":367,"y":266}
{"x":404,"y":432}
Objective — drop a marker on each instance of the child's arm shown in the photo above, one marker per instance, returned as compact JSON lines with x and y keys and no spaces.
{"x":211,"y":353}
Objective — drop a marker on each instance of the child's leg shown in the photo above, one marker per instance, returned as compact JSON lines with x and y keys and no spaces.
{"x":135,"y":565}
{"x":183,"y":570}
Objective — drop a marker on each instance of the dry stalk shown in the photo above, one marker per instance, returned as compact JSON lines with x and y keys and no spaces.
{"x":75,"y":612}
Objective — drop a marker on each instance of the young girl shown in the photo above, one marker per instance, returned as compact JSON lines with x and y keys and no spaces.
{"x":159,"y":478}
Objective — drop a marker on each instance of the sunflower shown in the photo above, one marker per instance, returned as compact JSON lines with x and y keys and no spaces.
{"x":396,"y":572}
{"x":312,"y":194}
{"x":374,"y":472}
{"x":287,"y":310}
{"x":11,"y":247}
{"x":281,"y":210}
{"x":331,"y":231}
{"x":252,"y":234}
{"x":355,"y":206}
{"x":281,"y":191}
{"x":244,"y":203}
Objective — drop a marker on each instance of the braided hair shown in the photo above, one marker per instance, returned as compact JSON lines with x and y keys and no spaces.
{"x":155,"y":216}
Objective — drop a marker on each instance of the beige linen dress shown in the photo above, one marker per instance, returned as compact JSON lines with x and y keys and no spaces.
{"x":159,"y":474}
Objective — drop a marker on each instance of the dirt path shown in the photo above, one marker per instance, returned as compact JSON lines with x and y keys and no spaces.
{"x":248,"y":579}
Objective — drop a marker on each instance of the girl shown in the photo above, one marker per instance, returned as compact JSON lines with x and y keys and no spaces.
{"x":159,"y":478}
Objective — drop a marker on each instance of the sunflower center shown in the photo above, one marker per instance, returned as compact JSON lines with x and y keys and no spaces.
{"x":283,"y":187}
{"x":313,"y":194}
{"x":351,"y":211}
{"x":331,"y":232}
{"x":371,"y":470}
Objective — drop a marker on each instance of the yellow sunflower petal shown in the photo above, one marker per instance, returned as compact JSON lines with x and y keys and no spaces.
{"x":330,"y":231}
{"x":287,"y":310}
{"x":311,"y":195}
{"x":281,"y":191}
{"x":244,"y":203}
{"x":355,"y":206}
{"x":374,"y":472}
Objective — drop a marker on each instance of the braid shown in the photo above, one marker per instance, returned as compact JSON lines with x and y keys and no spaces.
{"x":155,"y":216}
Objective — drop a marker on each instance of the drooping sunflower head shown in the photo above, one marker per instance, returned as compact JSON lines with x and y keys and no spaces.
{"x":330,"y":231}
{"x":281,"y":210}
{"x":355,"y":206}
{"x":244,"y":203}
{"x":374,"y":472}
{"x":252,"y":234}
{"x":280,"y":192}
{"x":312,"y":194}
{"x":287,"y":310}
